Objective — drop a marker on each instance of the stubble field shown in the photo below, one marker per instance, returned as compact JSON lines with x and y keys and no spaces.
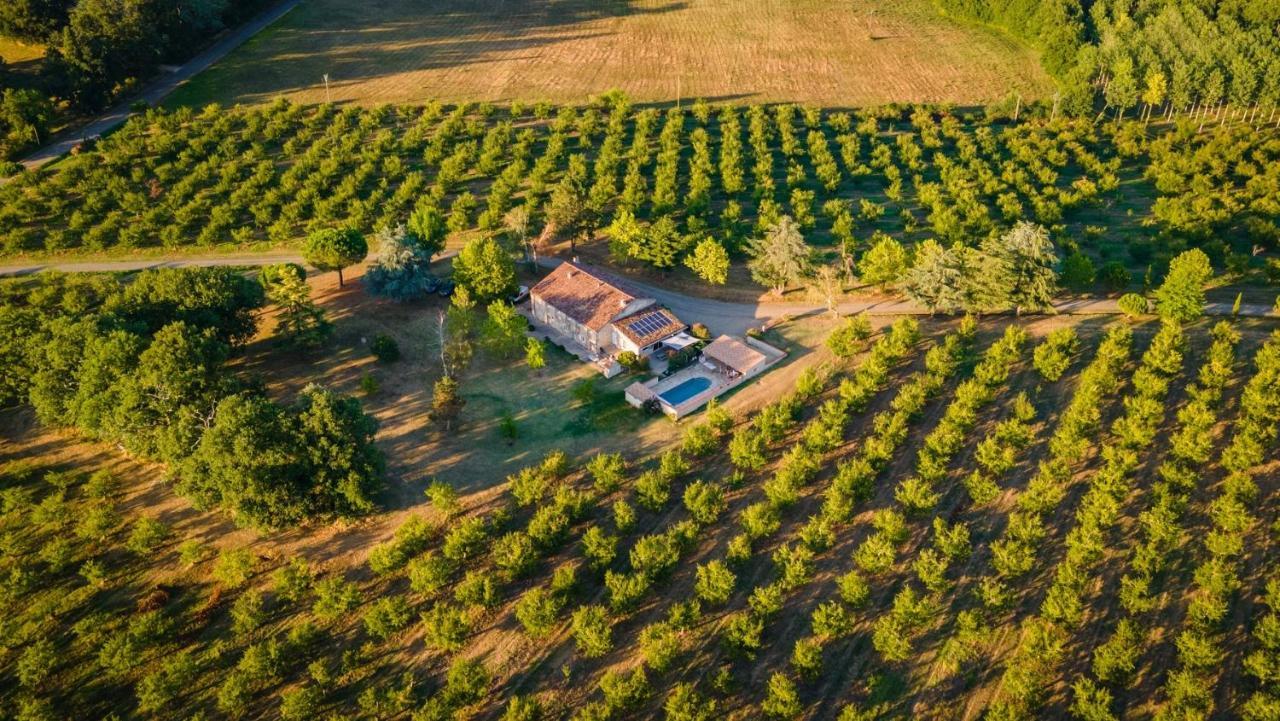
{"x":811,"y":51}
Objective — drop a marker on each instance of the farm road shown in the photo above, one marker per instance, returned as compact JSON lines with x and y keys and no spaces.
{"x":160,"y":88}
{"x":720,"y":316}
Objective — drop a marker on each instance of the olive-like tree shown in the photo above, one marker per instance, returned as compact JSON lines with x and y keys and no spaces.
{"x":334,"y":249}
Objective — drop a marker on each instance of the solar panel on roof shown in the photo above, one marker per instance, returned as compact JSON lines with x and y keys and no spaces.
{"x":646,"y":324}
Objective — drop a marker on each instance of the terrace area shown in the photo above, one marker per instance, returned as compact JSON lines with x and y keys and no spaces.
{"x":723,"y":365}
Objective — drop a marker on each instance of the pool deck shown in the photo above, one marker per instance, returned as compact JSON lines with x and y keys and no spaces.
{"x":721,"y":383}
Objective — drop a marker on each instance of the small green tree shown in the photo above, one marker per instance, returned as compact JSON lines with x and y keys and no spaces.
{"x":427,"y":226}
{"x":849,"y":337}
{"x":503,"y":330}
{"x":446,"y":402}
{"x":592,"y":631}
{"x":686,"y":704}
{"x":535,"y":354}
{"x":884,"y":263}
{"x":302,"y":323}
{"x":1181,"y":296}
{"x":1132,"y":305}
{"x":782,"y":701}
{"x":715,"y":582}
{"x":536,"y":611}
{"x":1077,"y":272}
{"x":333,"y":249}
{"x":710,"y":261}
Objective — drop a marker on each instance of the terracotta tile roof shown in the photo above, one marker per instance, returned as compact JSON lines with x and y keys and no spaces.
{"x":641,"y":392}
{"x":734,"y":354}
{"x":649,"y":325}
{"x":586,"y":295}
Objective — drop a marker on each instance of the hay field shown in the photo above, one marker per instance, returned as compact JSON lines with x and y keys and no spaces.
{"x":848,"y":53}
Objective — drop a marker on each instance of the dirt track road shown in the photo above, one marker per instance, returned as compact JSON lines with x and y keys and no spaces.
{"x":160,"y":88}
{"x":719,"y":316}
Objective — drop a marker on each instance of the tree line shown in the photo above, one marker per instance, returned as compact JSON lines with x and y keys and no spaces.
{"x":1162,"y":57}
{"x":143,"y":363}
{"x":99,"y":50}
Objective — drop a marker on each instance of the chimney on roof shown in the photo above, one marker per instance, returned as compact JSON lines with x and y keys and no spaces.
{"x":575,"y":259}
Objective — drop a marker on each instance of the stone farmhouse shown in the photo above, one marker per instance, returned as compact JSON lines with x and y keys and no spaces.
{"x":596,"y":316}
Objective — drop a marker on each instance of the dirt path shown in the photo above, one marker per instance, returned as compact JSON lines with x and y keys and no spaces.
{"x":159,"y":89}
{"x":720,"y":316}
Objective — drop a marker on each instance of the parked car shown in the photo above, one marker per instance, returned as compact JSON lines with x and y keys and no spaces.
{"x":446,"y":288}
{"x":521,"y":295}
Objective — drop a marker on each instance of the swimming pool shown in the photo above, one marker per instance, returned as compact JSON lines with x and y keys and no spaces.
{"x":676,"y":395}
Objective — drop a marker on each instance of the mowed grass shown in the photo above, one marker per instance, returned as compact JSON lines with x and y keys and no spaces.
{"x":826,"y":52}
{"x":13,"y":51}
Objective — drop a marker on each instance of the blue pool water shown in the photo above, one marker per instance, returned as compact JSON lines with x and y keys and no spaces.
{"x":686,"y":390}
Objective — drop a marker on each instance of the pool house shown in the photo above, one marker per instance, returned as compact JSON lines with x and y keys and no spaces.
{"x":723,"y":365}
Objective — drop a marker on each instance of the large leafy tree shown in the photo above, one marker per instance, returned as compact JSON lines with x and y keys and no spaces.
{"x":335,"y":438}
{"x":485,"y":269}
{"x":244,"y":464}
{"x":780,"y":257}
{"x":504,"y":330}
{"x":1181,"y":296}
{"x":104,"y":42}
{"x":33,"y":20}
{"x":661,"y":244}
{"x":626,"y":234}
{"x":1024,"y":261}
{"x":177,"y":382}
{"x":271,"y":466}
{"x":950,"y":280}
{"x":401,"y":269}
{"x":334,"y":249}
{"x":25,"y":117}
{"x":219,"y":298}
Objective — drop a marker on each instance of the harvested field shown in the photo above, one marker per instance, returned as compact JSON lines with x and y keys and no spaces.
{"x":811,"y":51}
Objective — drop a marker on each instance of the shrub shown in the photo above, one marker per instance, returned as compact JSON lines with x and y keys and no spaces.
{"x":1114,"y":275}
{"x":782,"y":701}
{"x":386,"y":617}
{"x":446,"y":626}
{"x":623,"y":691}
{"x":686,"y":704}
{"x":1132,"y":305}
{"x":384,"y":348}
{"x":1053,"y":357}
{"x":1077,"y":271}
{"x":632,"y":362}
{"x":607,"y":471}
{"x":147,"y":534}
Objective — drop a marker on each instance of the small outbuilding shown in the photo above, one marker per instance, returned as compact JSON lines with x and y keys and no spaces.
{"x":733,"y":358}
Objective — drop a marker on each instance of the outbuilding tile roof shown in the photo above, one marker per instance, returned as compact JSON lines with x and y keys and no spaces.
{"x":734,"y":353}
